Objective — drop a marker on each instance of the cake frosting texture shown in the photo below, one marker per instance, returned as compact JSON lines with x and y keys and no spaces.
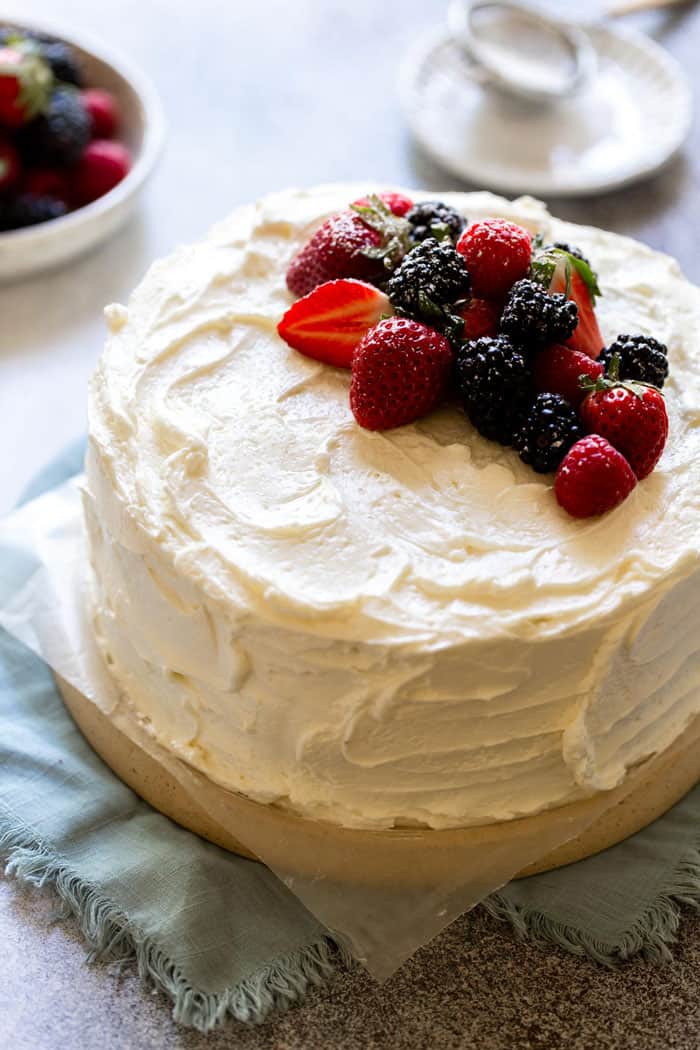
{"x":378,"y":628}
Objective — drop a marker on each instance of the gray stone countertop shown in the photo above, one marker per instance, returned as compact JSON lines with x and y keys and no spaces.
{"x":259,"y":96}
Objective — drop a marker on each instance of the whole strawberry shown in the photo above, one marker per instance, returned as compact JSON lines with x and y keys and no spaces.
{"x":400,"y":372}
{"x":631,"y":416}
{"x":497,"y":254}
{"x":558,"y":370}
{"x":397,"y":203}
{"x":365,"y":242}
{"x":25,"y":86}
{"x":593,"y":478}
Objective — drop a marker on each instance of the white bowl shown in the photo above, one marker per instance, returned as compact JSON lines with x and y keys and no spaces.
{"x":142,"y":130}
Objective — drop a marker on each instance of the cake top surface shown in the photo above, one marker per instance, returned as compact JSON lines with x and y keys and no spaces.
{"x":241,"y":459}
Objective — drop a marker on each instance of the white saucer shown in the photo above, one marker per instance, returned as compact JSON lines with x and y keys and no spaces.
{"x":624,"y":125}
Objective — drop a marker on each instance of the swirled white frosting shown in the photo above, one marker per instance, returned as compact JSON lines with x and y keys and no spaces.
{"x":378,"y":628}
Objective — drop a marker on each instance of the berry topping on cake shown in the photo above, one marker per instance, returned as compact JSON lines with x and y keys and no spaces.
{"x":365,"y":242}
{"x":480,"y":317}
{"x":431,"y":278}
{"x":497,"y":254}
{"x":397,"y":203}
{"x":28,"y":210}
{"x":400,"y":372}
{"x":25,"y":85}
{"x":560,"y":270}
{"x":533,"y":317}
{"x":494,"y":382}
{"x":550,"y":429}
{"x":329,"y":322}
{"x":632,"y":416}
{"x":61,"y":134}
{"x":435,"y":219}
{"x":558,"y":370}
{"x":640,"y":357}
{"x":593,"y":478}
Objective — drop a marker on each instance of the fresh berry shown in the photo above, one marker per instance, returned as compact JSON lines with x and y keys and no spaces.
{"x":435,"y":219}
{"x":400,"y":372}
{"x":60,"y":135}
{"x":63,"y":62}
{"x":571,"y":250}
{"x":102,"y":166}
{"x":10,"y":165}
{"x":494,"y":382}
{"x":558,"y":369}
{"x":550,"y":429}
{"x":397,"y":203}
{"x":366,"y":242}
{"x":593,"y":478}
{"x":431,"y":278}
{"x":632,"y":417}
{"x":533,"y":317}
{"x":480,"y":317}
{"x":25,"y":86}
{"x":640,"y":357}
{"x":28,"y":210}
{"x":103,"y":110}
{"x":47,"y":182}
{"x":497,"y":254}
{"x":330,"y":321}
{"x":568,"y":273}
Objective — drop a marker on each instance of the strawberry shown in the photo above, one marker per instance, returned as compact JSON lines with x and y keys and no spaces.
{"x":365,"y":242}
{"x":632,"y":416}
{"x":480,"y":318}
{"x":10,"y":165}
{"x":103,"y":111}
{"x":397,"y":203}
{"x":330,"y":321}
{"x":25,"y":86}
{"x":557,"y":370}
{"x":593,"y":478}
{"x":560,"y":269}
{"x":400,"y":372}
{"x":101,"y":167}
{"x":497,"y":254}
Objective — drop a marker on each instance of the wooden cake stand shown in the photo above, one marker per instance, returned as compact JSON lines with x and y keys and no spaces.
{"x":384,"y":856}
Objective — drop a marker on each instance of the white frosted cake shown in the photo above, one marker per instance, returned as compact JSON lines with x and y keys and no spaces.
{"x":379,"y":628}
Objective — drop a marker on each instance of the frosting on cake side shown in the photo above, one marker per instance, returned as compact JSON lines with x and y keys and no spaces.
{"x":379,"y":627}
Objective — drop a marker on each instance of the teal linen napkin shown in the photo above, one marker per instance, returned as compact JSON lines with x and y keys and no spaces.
{"x":220,"y":934}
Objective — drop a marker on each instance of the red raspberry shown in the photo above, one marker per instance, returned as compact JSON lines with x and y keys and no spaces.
{"x":633,"y":419}
{"x":557,"y":370}
{"x":395,"y":202}
{"x":497,"y":254}
{"x":480,"y":318}
{"x":103,"y":111}
{"x":102,"y":165}
{"x":400,"y":372}
{"x":593,"y":478}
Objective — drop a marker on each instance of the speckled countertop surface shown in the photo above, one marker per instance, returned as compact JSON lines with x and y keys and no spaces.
{"x":253,"y":94}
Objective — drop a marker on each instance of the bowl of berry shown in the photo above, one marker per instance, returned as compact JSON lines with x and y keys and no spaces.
{"x":80,"y":132}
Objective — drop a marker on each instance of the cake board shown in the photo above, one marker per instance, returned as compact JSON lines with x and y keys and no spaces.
{"x":381,"y":856}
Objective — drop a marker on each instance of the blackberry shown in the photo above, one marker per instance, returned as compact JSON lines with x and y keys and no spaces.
{"x":533,"y":317}
{"x":493,"y":380}
{"x":641,"y":357}
{"x":431,"y":277}
{"x":64,"y":64}
{"x":61,"y":134}
{"x":28,"y":210}
{"x":576,"y":252}
{"x":552,"y":426}
{"x":435,"y":219}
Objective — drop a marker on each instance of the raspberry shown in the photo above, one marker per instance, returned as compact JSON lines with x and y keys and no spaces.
{"x":593,"y":478}
{"x":397,"y":203}
{"x":480,"y":318}
{"x":497,"y":254}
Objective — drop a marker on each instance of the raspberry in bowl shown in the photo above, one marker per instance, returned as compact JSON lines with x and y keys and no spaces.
{"x":80,"y":132}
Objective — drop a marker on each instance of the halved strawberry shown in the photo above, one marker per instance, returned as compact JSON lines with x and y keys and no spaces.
{"x":329,"y":322}
{"x":566,"y":271}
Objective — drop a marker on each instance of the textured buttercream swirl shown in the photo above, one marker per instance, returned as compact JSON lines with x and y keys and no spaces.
{"x":378,"y":628}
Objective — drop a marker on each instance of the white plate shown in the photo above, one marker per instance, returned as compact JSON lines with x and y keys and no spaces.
{"x":625,"y":124}
{"x":49,"y":243}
